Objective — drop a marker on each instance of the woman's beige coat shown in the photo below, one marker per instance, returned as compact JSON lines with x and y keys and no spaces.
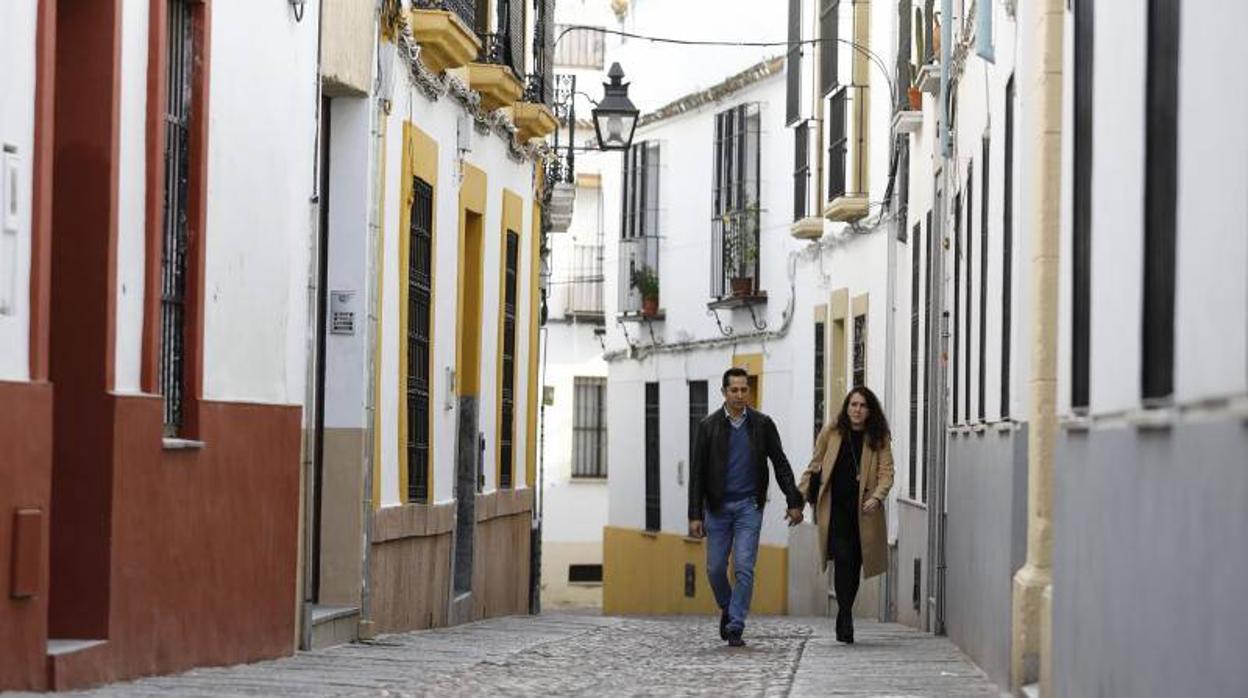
{"x":875,"y":479}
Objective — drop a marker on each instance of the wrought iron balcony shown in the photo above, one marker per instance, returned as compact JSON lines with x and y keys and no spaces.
{"x":537,"y":89}
{"x":496,"y":50}
{"x":466,"y":9}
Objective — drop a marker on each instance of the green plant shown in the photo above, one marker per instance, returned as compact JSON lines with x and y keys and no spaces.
{"x":741,"y":241}
{"x":646,"y":281}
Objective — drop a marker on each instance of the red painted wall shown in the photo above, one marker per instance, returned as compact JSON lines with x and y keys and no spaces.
{"x":25,"y":482}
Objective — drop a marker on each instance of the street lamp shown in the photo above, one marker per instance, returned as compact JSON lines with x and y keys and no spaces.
{"x":615,"y":117}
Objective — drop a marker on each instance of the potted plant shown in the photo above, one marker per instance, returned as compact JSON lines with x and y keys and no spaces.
{"x":914,"y":93}
{"x":741,"y":245}
{"x":646,"y":281}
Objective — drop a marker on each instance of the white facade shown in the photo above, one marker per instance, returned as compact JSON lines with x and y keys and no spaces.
{"x":17,"y":139}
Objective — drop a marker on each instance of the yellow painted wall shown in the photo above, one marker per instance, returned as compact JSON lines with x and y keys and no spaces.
{"x":753,"y":365}
{"x":377,"y":306}
{"x":535,"y":300}
{"x":512,"y":220}
{"x":420,"y":159}
{"x":471,"y":278}
{"x":644,"y":574}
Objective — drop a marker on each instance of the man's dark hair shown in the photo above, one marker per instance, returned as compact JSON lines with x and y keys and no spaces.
{"x":734,"y":371}
{"x":877,"y":424}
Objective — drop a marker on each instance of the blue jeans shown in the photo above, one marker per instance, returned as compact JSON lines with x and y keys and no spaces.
{"x":735,"y":527}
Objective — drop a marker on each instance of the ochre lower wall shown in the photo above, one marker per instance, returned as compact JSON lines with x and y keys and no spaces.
{"x":25,"y":483}
{"x":500,"y":579}
{"x":410,"y":567}
{"x":644,"y":574}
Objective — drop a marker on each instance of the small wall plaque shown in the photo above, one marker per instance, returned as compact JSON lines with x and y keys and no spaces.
{"x":342,"y":312}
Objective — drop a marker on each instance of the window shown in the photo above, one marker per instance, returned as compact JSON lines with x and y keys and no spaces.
{"x":585,"y":574}
{"x":175,"y":247}
{"x":801,"y":171}
{"x":955,"y":347}
{"x":829,"y":32}
{"x":589,"y":427}
{"x":699,"y":407}
{"x":506,"y":474}
{"x":585,"y":287}
{"x":639,"y":225}
{"x":838,"y":140}
{"x":419,"y":321}
{"x":1160,"y":191}
{"x":735,"y":201}
{"x":915,"y":251}
{"x":860,"y":350}
{"x":983,"y":275}
{"x":1007,"y":249}
{"x":654,"y":520}
{"x":579,"y":48}
{"x":820,"y":377}
{"x":1081,"y":244}
{"x":793,"y":65}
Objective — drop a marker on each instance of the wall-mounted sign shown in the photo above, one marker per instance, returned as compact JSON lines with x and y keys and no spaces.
{"x":342,"y":312}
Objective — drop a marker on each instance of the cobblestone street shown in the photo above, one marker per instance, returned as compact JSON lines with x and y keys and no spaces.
{"x":566,"y":654}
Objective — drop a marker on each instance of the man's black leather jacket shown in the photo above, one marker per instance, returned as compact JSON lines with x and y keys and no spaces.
{"x":707,"y":473}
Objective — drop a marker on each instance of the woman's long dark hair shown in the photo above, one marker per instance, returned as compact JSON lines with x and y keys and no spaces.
{"x":877,"y":424}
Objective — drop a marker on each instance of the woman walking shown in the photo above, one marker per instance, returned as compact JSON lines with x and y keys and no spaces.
{"x":847,"y":482}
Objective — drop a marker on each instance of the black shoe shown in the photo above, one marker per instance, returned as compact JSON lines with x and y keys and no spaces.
{"x":845,"y":629}
{"x":734,"y":639}
{"x":723,"y":625}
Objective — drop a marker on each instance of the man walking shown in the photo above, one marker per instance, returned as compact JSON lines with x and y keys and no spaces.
{"x":727,"y":492}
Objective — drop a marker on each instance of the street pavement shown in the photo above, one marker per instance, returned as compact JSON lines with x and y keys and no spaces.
{"x":565,"y":654}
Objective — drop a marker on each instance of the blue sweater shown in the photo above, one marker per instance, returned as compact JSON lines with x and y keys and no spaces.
{"x":739,"y":483}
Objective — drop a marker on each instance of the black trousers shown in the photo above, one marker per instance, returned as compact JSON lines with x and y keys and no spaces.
{"x":845,"y":551}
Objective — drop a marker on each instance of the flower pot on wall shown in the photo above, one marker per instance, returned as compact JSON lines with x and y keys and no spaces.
{"x":650,"y":306}
{"x":916,"y":98}
{"x":742,"y":285}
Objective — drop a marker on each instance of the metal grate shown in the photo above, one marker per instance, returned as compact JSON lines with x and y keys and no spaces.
{"x":802,"y":205}
{"x":829,"y":32}
{"x":735,"y":200}
{"x":589,"y":427}
{"x":506,"y":477}
{"x":837,"y":145}
{"x":698,"y":409}
{"x":639,"y":232}
{"x":419,"y":324}
{"x":1007,"y":249}
{"x":820,"y":396}
{"x":173,"y":267}
{"x":860,"y":350}
{"x":466,"y":9}
{"x":793,"y":65}
{"x":916,"y":248}
{"x":585,"y":288}
{"x":653,"y":515}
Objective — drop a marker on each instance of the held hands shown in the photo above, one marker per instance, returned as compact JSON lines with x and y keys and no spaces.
{"x":794,"y":516}
{"x":870,"y":505}
{"x":695,"y":528}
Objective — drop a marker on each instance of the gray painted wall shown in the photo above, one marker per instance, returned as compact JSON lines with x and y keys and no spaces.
{"x":911,"y":545}
{"x":1151,"y":561}
{"x":986,"y":542}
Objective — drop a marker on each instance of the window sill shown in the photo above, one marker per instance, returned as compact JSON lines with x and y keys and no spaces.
{"x":730,"y":302}
{"x":181,"y":444}
{"x":635,"y":316}
{"x":650,"y":534}
{"x":586,"y":585}
{"x":588,"y":480}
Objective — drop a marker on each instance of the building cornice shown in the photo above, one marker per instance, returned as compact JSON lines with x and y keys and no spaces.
{"x":750,"y":76}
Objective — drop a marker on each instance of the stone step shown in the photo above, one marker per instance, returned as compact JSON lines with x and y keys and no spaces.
{"x":331,"y":625}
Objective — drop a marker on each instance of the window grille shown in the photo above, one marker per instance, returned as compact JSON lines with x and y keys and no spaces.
{"x":506,"y":476}
{"x":983,"y":276}
{"x":736,"y":211}
{"x":589,"y":427}
{"x":820,"y":373}
{"x":639,"y":231}
{"x":653,"y":514}
{"x":585,"y":282}
{"x":802,"y":206}
{"x":580,"y":48}
{"x":698,"y":409}
{"x":793,"y":65}
{"x":838,"y":144}
{"x":860,"y":350}
{"x":916,"y":249}
{"x":829,"y":32}
{"x":419,"y":324}
{"x":1007,"y":249}
{"x":173,"y":310}
{"x":1081,"y":243}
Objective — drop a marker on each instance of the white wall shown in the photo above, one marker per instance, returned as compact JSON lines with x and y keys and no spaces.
{"x":132,"y":198}
{"x":17,"y":129}
{"x":489,"y":153}
{"x":262,"y":138}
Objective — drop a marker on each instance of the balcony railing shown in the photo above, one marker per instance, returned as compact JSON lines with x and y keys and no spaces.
{"x":466,"y":9}
{"x":536,"y":89}
{"x":636,"y":255}
{"x":585,"y":287}
{"x":734,"y":254}
{"x":496,"y":49}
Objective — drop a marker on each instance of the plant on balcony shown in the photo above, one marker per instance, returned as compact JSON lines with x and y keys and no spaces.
{"x":741,"y":248}
{"x":646,"y":281}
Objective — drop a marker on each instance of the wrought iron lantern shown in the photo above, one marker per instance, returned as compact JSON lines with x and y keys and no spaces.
{"x":615,"y":117}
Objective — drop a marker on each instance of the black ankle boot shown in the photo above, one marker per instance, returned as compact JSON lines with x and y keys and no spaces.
{"x":845,"y":628}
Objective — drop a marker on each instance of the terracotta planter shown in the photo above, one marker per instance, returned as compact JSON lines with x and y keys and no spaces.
{"x":650,"y":306}
{"x":742,"y":285}
{"x":916,"y":98}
